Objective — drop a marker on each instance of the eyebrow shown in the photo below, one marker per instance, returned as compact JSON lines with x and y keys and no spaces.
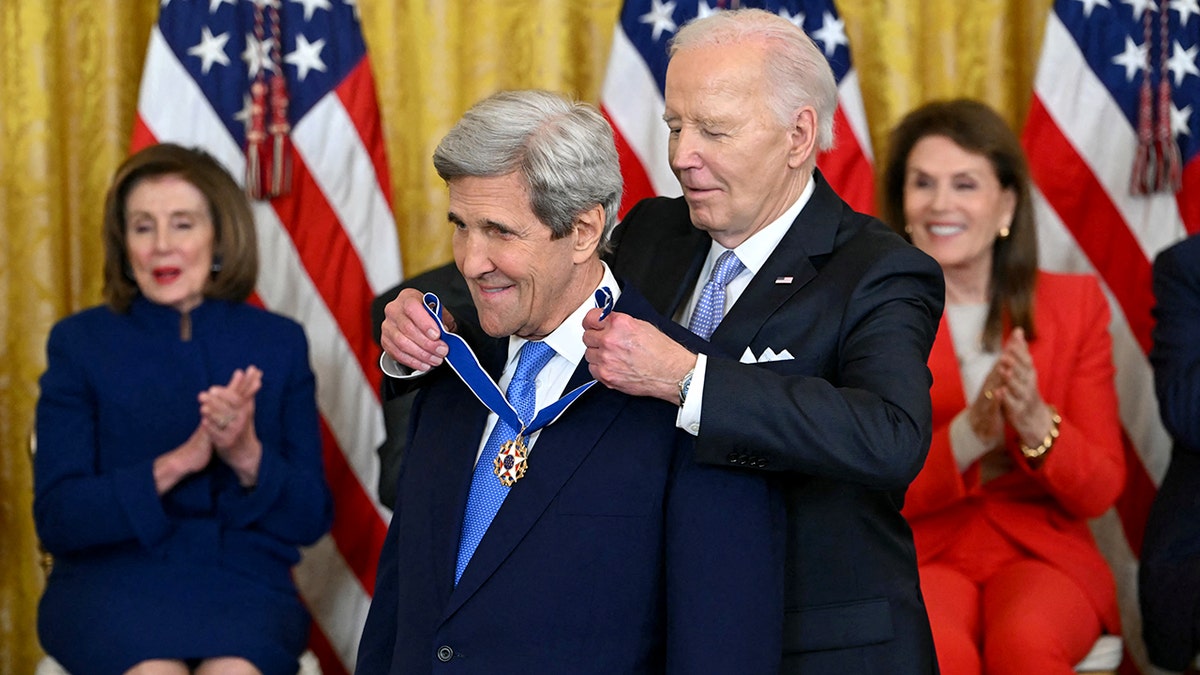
{"x":172,"y":214}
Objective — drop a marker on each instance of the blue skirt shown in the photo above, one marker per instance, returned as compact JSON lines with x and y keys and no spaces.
{"x":101,"y":618}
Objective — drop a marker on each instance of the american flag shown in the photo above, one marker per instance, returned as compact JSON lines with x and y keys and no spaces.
{"x":632,"y":96}
{"x":327,"y":247}
{"x":1098,"y":83}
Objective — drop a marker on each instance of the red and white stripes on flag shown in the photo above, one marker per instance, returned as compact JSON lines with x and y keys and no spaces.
{"x":1082,"y":138}
{"x":326,"y":248}
{"x":632,"y":96}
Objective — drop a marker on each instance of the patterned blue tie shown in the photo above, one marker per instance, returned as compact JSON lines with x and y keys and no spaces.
{"x":711,"y":307}
{"x":487,"y":494}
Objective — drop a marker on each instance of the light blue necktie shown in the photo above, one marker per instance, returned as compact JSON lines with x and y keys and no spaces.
{"x":487,"y":493}
{"x":711,"y":307}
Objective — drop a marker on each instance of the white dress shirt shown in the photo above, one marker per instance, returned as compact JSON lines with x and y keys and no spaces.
{"x":753,"y":253}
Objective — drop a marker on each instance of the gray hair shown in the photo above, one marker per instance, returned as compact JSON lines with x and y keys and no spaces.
{"x":563,"y":150}
{"x":796,"y":70}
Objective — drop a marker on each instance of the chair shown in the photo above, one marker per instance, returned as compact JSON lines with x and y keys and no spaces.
{"x":48,"y":666}
{"x":1104,"y":658}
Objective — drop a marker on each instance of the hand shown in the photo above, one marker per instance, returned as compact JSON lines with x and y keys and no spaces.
{"x":1022,"y":402}
{"x":227,"y":414}
{"x":185,"y":460}
{"x":410,"y":336}
{"x":634,"y":357}
{"x":985,"y":414}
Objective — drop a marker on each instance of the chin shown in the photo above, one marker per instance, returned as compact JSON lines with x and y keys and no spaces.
{"x":494,"y":328}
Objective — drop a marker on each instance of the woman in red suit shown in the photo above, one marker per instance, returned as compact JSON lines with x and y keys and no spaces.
{"x":1026,"y":444}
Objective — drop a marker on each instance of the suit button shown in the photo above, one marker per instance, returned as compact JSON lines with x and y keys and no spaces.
{"x":445,"y":653}
{"x":760,"y":462}
{"x":733,"y":458}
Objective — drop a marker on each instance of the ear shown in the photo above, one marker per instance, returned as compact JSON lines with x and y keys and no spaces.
{"x":589,"y":228}
{"x":803,"y":137}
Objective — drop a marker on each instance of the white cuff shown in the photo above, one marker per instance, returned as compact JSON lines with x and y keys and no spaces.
{"x":688,"y":418}
{"x":392,"y":368}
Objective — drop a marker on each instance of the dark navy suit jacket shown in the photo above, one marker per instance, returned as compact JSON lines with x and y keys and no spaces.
{"x":1169,"y":583}
{"x":616,"y":553}
{"x":845,"y":424}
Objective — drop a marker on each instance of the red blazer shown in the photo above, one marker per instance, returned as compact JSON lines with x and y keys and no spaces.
{"x":1045,"y":510}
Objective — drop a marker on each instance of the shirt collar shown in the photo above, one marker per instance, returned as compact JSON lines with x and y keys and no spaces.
{"x":567,"y":339}
{"x":754,"y":251}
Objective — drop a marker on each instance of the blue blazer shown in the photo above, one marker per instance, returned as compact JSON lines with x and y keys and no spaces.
{"x":205,"y":569}
{"x":616,"y":553}
{"x":844,"y":425}
{"x":1169,"y":573}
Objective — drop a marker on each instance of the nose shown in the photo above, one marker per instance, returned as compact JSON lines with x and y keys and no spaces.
{"x":471,"y":253}
{"x":683,"y":150}
{"x":941,"y":197}
{"x":162,"y":237}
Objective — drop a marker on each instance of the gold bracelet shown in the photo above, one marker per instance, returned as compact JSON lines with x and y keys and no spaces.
{"x":1048,"y":441}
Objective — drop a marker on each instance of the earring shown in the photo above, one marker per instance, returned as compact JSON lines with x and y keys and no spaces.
{"x":1004,"y":232}
{"x":908,"y":229}
{"x":216,"y":265}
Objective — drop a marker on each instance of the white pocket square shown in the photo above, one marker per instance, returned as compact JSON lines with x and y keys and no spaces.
{"x":767,"y":355}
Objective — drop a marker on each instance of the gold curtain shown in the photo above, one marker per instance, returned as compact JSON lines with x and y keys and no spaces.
{"x":68,"y":91}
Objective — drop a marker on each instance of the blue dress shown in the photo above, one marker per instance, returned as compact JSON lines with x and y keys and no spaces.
{"x":205,"y":569}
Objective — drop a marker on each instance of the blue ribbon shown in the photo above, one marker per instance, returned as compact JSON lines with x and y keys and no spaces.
{"x":466,"y":365}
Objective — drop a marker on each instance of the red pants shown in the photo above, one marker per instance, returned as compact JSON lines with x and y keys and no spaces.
{"x":995,"y":611}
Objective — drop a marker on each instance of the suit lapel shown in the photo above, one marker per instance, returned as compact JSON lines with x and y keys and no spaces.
{"x":553,"y":460}
{"x":559,"y":451}
{"x":680,"y":259}
{"x":786,"y":270}
{"x":457,"y":444}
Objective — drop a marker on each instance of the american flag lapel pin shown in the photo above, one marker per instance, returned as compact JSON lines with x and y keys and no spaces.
{"x":783,"y":280}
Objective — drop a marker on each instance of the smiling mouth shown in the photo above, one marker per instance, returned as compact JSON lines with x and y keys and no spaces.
{"x":492,"y":290}
{"x":946,"y":230}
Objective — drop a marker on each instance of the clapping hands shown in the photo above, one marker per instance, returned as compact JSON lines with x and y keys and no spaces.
{"x":226,"y":429}
{"x":1010,"y":396}
{"x":227,"y":415}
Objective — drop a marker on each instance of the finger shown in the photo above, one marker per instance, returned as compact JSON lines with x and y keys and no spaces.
{"x":251,"y":383}
{"x":594,"y":322}
{"x":418,"y":339}
{"x":412,"y":355}
{"x":407,"y":314}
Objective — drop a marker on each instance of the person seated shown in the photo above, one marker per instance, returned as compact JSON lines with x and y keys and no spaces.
{"x":1169,"y":571}
{"x":179,"y":460}
{"x":1027,"y":440}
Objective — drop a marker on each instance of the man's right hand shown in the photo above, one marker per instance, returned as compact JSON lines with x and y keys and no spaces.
{"x":410,"y":336}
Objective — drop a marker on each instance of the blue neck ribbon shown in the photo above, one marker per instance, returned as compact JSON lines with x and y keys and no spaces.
{"x":466,"y":365}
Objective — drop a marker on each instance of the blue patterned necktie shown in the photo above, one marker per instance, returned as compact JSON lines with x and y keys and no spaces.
{"x":711,"y":307}
{"x":487,"y":494}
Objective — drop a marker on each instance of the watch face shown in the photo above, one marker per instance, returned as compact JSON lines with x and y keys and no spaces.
{"x":684,"y":385}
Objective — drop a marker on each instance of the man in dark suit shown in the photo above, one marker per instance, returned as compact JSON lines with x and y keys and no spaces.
{"x":817,"y":370}
{"x":606,"y":548}
{"x":819,"y":329}
{"x":1169,"y":573}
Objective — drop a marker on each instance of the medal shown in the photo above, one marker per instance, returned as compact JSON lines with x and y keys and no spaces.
{"x":510,"y":463}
